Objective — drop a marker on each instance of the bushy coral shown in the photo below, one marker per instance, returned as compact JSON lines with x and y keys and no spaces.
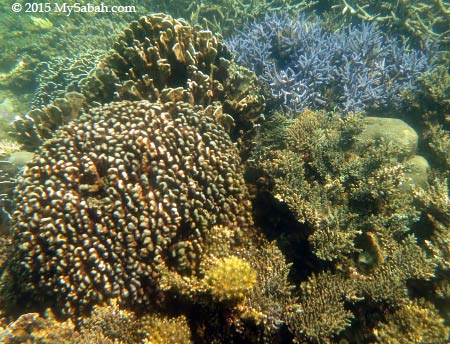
{"x":230,"y":279}
{"x":357,"y":212}
{"x":303,"y":65}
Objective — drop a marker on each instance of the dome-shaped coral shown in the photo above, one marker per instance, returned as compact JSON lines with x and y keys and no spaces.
{"x":126,"y":189}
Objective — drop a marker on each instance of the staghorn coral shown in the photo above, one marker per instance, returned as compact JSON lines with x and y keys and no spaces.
{"x":349,"y":192}
{"x":125,"y":189}
{"x":402,"y":261}
{"x":227,"y":16}
{"x":304,"y":66}
{"x":322,"y":314}
{"x":328,"y":184}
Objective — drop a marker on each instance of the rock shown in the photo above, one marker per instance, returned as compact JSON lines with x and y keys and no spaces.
{"x":419,"y":168}
{"x":393,"y":130}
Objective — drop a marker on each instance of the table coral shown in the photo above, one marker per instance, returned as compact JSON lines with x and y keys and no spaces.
{"x":128,"y":187}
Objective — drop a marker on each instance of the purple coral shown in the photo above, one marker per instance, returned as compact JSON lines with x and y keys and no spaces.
{"x":305,"y":66}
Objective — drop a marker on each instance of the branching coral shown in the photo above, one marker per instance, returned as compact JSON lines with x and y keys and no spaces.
{"x":321,"y":314}
{"x":157,"y":58}
{"x":423,"y":20}
{"x":414,"y":322}
{"x":225,"y":16}
{"x":303,"y":65}
{"x":350,"y":191}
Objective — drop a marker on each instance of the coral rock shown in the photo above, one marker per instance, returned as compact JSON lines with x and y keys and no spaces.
{"x":392,"y":130}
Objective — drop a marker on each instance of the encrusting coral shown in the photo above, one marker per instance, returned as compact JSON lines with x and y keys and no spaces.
{"x":126,"y":188}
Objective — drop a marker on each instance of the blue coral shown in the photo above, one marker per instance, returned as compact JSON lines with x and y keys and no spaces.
{"x":305,"y":66}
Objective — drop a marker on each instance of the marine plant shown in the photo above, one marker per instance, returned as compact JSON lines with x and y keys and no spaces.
{"x":304,"y":66}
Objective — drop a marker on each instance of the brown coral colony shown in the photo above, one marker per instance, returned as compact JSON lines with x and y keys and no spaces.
{"x":128,"y":187}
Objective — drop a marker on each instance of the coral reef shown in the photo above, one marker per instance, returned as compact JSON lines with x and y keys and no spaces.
{"x":226,"y":16}
{"x":133,"y":220}
{"x":423,"y":20}
{"x":305,"y":66}
{"x":158,"y":54}
{"x":123,"y":190}
{"x":348,"y":190}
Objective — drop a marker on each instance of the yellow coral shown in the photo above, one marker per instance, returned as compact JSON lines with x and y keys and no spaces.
{"x":230,"y":279}
{"x":166,"y":330}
